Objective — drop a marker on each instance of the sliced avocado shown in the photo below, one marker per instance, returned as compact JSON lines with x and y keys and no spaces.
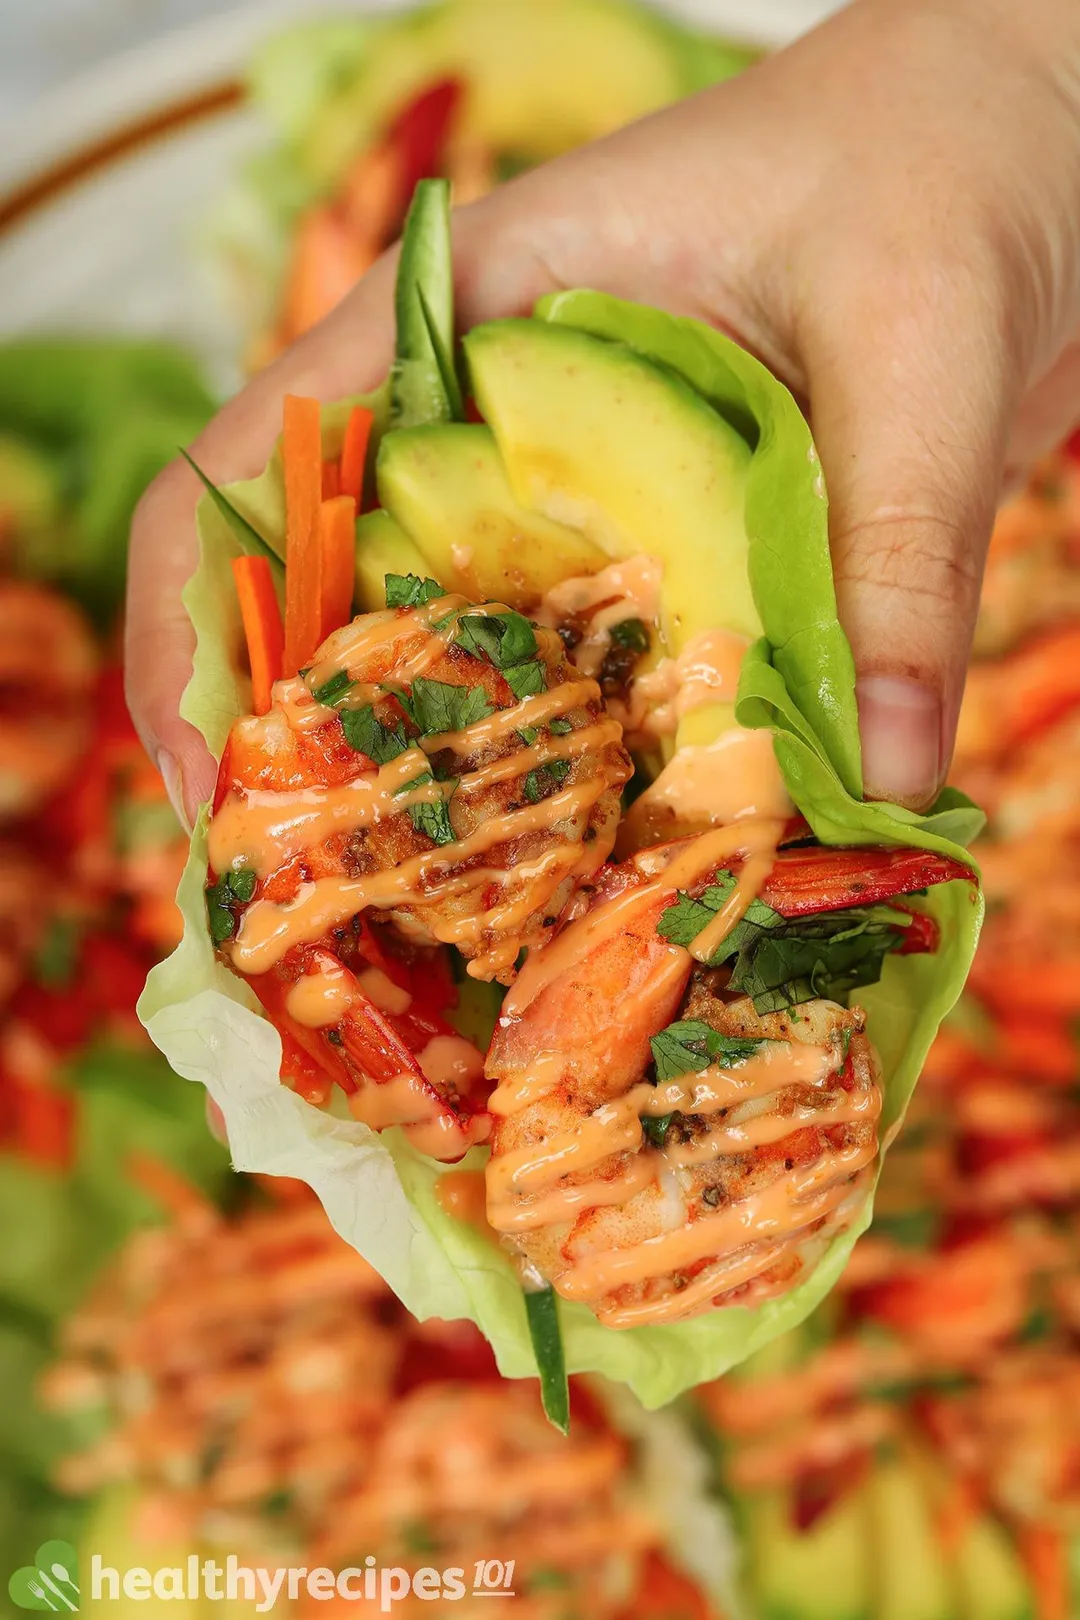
{"x":822,"y":1573}
{"x":908,"y":1568}
{"x":595,"y":437}
{"x":382,"y":548}
{"x":541,"y":78}
{"x":445,"y":486}
{"x":990,"y":1579}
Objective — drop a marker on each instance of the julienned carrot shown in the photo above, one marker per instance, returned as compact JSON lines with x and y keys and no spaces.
{"x":301,"y":455}
{"x":1045,"y":1555}
{"x":354,"y":453}
{"x":331,"y":480}
{"x":262,"y":625}
{"x":337,"y":546}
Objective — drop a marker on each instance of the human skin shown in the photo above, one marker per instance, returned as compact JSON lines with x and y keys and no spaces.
{"x":887,"y":213}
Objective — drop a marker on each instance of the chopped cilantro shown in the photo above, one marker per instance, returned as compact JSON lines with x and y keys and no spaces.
{"x":409,"y":590}
{"x":528,"y":735}
{"x":432,"y":819}
{"x":656,"y":1129}
{"x":525,"y":680}
{"x":504,"y":639}
{"x":365,"y":732}
{"x":689,"y":1046}
{"x":241,"y":883}
{"x":335,"y":687}
{"x":219,"y":911}
{"x":560,"y":728}
{"x":540,"y":783}
{"x":632,"y":634}
{"x":780,"y":961}
{"x":436,"y":706}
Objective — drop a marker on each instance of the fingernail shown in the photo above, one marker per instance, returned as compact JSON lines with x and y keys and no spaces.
{"x":900,"y":723}
{"x":169,"y":770}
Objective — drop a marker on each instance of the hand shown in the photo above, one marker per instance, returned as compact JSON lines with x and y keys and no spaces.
{"x":887,"y":214}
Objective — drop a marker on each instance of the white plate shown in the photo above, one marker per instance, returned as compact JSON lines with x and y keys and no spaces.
{"x":105,"y":185}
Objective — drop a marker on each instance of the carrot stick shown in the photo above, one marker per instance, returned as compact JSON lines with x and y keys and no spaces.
{"x":354,"y":453}
{"x":1045,"y":1556}
{"x":302,"y":461}
{"x":331,"y":480}
{"x":337,"y":548}
{"x":262,"y":625}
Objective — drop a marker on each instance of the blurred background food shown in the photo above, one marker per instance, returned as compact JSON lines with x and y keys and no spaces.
{"x":192,"y":1361}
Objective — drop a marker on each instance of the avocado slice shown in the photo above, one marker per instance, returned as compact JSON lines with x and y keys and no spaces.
{"x":449,"y":493}
{"x":599,"y":439}
{"x":908,"y":1568}
{"x":383,"y":547}
{"x":990,"y":1579}
{"x":822,"y":1573}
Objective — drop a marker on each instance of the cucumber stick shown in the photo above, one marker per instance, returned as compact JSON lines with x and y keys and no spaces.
{"x":423,"y":384}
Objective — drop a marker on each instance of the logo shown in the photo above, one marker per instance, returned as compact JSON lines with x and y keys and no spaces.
{"x":50,"y":1582}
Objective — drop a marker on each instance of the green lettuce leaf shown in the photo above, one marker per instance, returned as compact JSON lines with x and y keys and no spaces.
{"x":798,"y":682}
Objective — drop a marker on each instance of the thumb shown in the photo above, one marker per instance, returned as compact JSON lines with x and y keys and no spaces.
{"x":910,"y":413}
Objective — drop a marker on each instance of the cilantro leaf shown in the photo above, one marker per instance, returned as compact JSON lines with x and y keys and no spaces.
{"x":365,"y":732}
{"x":560,"y":728}
{"x":241,"y":882}
{"x":690,"y":1045}
{"x":335,"y":687}
{"x":632,"y":634}
{"x":541,"y":782}
{"x":433,"y":820}
{"x":656,"y":1128}
{"x":504,"y":639}
{"x":409,"y":590}
{"x":436,"y":706}
{"x":780,"y":961}
{"x":220,"y":915}
{"x":525,"y":680}
{"x":528,"y":735}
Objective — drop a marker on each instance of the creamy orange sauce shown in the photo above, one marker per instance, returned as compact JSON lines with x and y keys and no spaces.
{"x":381,"y":989}
{"x":462,"y":1195}
{"x":537,"y":710}
{"x":706,"y":671}
{"x":712,"y":784}
{"x":792,"y":1202}
{"x":321,"y":999}
{"x":451,"y":1062}
{"x":623,"y":590}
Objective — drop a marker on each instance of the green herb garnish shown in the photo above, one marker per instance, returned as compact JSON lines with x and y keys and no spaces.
{"x":241,"y":883}
{"x":409,"y":590}
{"x":542,"y":1312}
{"x":222,"y":918}
{"x":689,"y":1046}
{"x":541,"y":782}
{"x":335,"y":687}
{"x":504,"y":639}
{"x":437,"y":706}
{"x":656,"y":1129}
{"x":432,"y":819}
{"x":779,"y":961}
{"x":365,"y":732}
{"x":560,"y":728}
{"x":632,"y":634}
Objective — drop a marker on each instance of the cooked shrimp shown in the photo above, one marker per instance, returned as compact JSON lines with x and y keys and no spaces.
{"x":48,"y":663}
{"x":655,"y":1202}
{"x":442,"y":771}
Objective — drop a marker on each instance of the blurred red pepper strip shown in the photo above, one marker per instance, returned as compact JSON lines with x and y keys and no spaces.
{"x":419,"y":134}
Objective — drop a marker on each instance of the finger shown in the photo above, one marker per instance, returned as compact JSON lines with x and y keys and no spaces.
{"x":911,"y":400}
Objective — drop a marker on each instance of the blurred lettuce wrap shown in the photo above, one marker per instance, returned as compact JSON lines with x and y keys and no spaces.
{"x":362,"y":107}
{"x":609,"y":432}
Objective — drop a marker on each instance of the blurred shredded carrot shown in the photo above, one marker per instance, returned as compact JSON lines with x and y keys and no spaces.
{"x":331,"y":480}
{"x":262,"y":626}
{"x":354,"y":453}
{"x":178,"y":1197}
{"x":326,"y":262}
{"x":302,"y":463}
{"x":1045,"y":1556}
{"x":337,"y":550}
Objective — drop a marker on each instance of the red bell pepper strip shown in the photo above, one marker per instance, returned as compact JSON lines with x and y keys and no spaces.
{"x":804,"y":882}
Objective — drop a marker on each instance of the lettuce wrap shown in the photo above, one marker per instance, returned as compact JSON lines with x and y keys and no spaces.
{"x":797,"y":683}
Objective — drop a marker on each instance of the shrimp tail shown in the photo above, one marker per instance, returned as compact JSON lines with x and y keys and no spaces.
{"x":804,"y":882}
